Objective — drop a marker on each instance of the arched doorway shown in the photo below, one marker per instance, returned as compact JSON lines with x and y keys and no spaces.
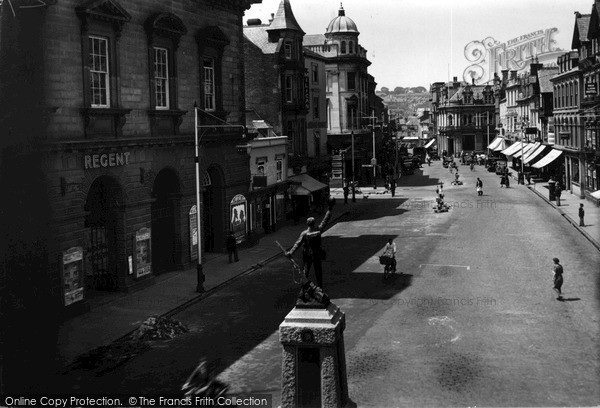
{"x":102,"y":208}
{"x":165,"y":247}
{"x":213,"y":210}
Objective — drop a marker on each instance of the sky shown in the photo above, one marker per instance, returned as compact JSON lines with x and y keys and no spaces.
{"x":414,"y":43}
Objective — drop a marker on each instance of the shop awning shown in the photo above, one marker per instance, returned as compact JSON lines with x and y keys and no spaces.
{"x":501,"y":145}
{"x":510,"y":150}
{"x":547,"y":159}
{"x":537,"y":154}
{"x":495,"y":143}
{"x":430,"y":143}
{"x":307,"y":186}
{"x":526,"y":149}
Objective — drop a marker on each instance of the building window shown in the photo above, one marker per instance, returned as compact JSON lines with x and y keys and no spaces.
{"x":317,"y":141}
{"x":161,"y":77}
{"x":209,"y":83}
{"x":288,"y":50}
{"x":101,"y":29}
{"x":211,"y":47}
{"x":329,"y":78}
{"x":351,"y":81}
{"x":291,"y":138}
{"x":350,"y":47}
{"x":289,"y":89}
{"x":279,"y":169}
{"x":99,"y":72}
{"x":316,"y":108}
{"x":343,"y":47}
{"x":260,"y":166}
{"x":315,"y":73}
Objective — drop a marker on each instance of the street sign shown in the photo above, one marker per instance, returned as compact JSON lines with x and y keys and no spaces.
{"x":591,"y":89}
{"x":367,"y":165}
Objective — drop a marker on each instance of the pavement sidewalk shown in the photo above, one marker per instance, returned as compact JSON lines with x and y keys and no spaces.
{"x":569,"y":209}
{"x":121,"y":313}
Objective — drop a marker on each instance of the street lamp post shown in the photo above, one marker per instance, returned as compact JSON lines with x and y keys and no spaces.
{"x":524,"y":124}
{"x":199,"y":270}
{"x":374,"y":161}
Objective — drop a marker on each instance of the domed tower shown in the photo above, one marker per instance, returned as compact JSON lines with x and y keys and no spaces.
{"x":342,"y":31}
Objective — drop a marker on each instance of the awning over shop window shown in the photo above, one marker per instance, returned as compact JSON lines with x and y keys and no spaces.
{"x":501,"y":145}
{"x":526,"y":149}
{"x":307,"y":186}
{"x":510,"y":150}
{"x":549,"y":158}
{"x":430,"y":143}
{"x":537,"y":154}
{"x":495,"y":143}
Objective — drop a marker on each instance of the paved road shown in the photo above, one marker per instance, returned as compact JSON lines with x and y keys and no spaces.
{"x":471,"y":321}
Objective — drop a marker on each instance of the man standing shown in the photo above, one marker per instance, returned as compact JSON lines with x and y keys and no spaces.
{"x":581,"y":215}
{"x":558,"y":193}
{"x":393,"y":186}
{"x":232,"y":248}
{"x":310,"y":239}
{"x":558,"y":278}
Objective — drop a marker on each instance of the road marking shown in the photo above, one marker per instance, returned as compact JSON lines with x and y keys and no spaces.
{"x":452,"y":266}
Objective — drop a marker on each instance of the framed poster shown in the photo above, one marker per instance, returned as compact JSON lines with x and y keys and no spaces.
{"x":143,"y":255}
{"x":193,"y":217}
{"x":72,"y":275}
{"x":238,"y":217}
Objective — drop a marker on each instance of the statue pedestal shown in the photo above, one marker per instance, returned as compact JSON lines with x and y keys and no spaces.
{"x":314,"y":362}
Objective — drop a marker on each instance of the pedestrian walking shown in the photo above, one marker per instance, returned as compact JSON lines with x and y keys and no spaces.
{"x":346,"y":192}
{"x":393,"y":186}
{"x":479,"y":187}
{"x":310,"y":239}
{"x":581,"y":215}
{"x":557,"y":278}
{"x":472,"y":165}
{"x":558,"y":194}
{"x":232,"y":247}
{"x":507,"y":180}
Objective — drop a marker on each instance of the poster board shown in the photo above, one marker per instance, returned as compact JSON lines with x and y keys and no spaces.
{"x":238,"y":217}
{"x":72,"y":275}
{"x":142,"y":261}
{"x":193,"y":217}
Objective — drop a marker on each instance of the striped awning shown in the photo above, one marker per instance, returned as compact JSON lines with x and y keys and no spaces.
{"x":510,"y":150}
{"x":526,"y":149}
{"x":547,"y":159}
{"x":495,"y":143}
{"x":501,"y":145}
{"x":536,"y":154}
{"x":430,"y":143}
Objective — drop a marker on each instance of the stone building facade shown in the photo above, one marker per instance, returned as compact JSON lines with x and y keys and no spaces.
{"x":99,"y":98}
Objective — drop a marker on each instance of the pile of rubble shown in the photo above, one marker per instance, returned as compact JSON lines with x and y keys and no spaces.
{"x":159,"y":328}
{"x":107,"y":358}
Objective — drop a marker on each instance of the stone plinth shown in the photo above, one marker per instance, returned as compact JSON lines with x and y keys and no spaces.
{"x":314,"y":361}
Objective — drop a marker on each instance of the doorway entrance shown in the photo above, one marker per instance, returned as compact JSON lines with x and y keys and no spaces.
{"x":165,"y":194}
{"x":102,"y":213}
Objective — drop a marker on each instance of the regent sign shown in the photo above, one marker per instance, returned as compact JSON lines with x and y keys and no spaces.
{"x":96,"y":161}
{"x":489,"y":56}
